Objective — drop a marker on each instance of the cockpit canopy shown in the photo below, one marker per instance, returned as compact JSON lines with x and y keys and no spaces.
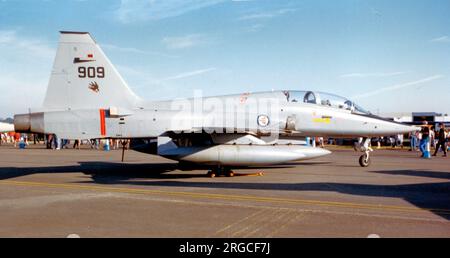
{"x":324,"y":99}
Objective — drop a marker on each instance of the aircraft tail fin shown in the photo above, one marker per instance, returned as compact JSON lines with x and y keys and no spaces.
{"x":84,"y":78}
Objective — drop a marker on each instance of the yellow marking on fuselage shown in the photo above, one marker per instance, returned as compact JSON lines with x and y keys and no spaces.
{"x":322,"y":120}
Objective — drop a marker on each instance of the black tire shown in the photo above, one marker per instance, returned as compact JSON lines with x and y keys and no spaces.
{"x":364,"y":162}
{"x":211,"y":174}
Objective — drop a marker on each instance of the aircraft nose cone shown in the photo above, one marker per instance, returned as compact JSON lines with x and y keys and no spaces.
{"x":395,"y":128}
{"x":408,"y":129}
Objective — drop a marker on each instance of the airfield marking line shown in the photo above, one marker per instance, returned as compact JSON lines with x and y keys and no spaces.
{"x":239,"y":221}
{"x":256,"y":223}
{"x":267,"y":223}
{"x":295,"y":216}
{"x":226,"y":197}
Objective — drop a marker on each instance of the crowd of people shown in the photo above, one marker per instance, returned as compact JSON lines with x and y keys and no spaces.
{"x":429,"y":138}
{"x":392,"y":141}
{"x":15,"y":138}
{"x":51,"y":141}
{"x":421,"y":141}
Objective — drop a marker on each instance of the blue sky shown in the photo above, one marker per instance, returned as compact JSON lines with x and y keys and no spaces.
{"x":392,"y":56}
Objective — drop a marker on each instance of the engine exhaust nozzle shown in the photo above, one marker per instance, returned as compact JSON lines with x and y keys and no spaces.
{"x":22,"y":123}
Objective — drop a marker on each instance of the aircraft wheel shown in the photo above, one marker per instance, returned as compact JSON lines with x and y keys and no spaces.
{"x":364,"y":161}
{"x":230,"y":173}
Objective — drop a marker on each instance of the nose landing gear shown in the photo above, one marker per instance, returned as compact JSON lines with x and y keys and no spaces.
{"x":364,"y":160}
{"x":363,"y":145}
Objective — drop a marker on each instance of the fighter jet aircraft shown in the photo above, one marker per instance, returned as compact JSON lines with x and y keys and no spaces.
{"x":87,"y":98}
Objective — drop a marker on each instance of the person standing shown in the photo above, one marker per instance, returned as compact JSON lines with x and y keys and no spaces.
{"x":49,"y":141}
{"x":424,"y":141}
{"x":16,"y":139}
{"x":378,"y":140}
{"x":413,"y":139}
{"x":442,"y":141}
{"x":76,"y":144}
{"x":56,"y":142}
{"x":321,"y":142}
{"x":399,"y":140}
{"x":25,"y":139}
{"x":432,"y":137}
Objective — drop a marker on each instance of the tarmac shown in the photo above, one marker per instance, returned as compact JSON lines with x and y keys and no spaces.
{"x":91,"y":193}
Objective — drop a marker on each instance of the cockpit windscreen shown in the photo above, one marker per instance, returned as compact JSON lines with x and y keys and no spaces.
{"x":324,"y":99}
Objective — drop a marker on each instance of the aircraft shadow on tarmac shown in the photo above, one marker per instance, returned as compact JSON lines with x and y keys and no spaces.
{"x":432,"y":196}
{"x":105,"y":171}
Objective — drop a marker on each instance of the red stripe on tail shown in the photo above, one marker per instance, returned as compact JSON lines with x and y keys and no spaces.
{"x":102,"y":123}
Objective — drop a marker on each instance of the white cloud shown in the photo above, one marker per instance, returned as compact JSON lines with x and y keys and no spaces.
{"x":187,"y":41}
{"x":254,"y":28}
{"x":443,"y":39}
{"x":25,"y":66}
{"x":143,"y":10}
{"x":397,"y":87}
{"x":146,"y":85}
{"x":144,"y":78}
{"x":18,"y":94}
{"x":136,"y":51}
{"x":137,"y":77}
{"x":10,"y":40}
{"x":366,"y":75}
{"x":267,"y":15}
{"x":189,"y":74}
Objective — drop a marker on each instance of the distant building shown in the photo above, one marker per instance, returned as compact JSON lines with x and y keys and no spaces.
{"x":417,"y":118}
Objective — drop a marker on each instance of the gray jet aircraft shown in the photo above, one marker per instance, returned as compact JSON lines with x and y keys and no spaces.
{"x":88,"y":99}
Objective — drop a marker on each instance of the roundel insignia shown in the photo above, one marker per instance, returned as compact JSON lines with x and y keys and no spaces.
{"x":263,"y":120}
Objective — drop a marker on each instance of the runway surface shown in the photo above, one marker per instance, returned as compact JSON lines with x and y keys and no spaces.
{"x":90,"y":193}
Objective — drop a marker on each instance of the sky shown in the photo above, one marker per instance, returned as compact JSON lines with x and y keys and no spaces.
{"x":390,"y":56}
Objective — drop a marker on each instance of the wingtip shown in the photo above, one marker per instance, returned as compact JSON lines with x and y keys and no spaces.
{"x":73,"y":32}
{"x":76,"y":34}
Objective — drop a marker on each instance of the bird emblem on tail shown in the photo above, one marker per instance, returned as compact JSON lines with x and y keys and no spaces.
{"x":94,"y":87}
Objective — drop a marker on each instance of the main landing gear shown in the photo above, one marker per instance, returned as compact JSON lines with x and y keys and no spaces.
{"x":363,"y":145}
{"x":220,"y":171}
